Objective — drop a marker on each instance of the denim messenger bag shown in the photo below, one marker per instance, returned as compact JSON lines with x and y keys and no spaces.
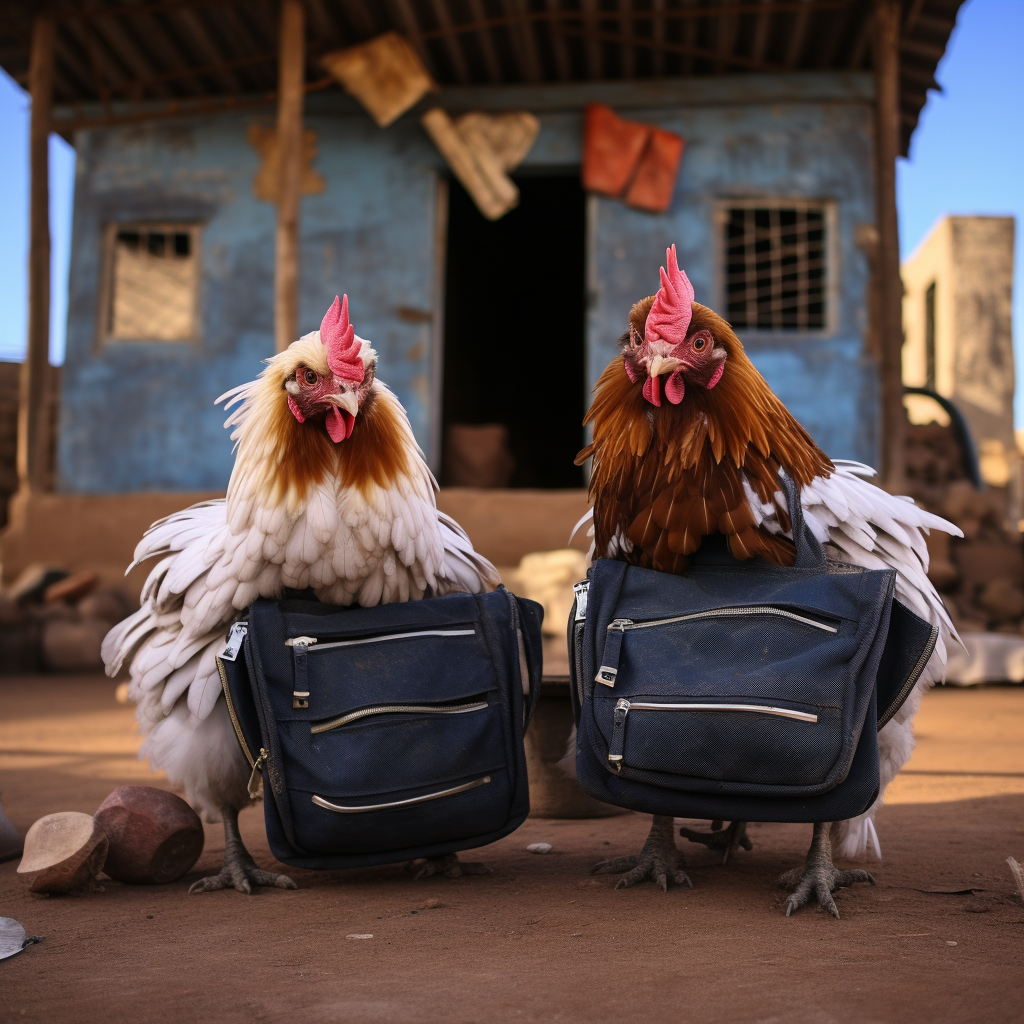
{"x":740,"y":690}
{"x":385,"y":734}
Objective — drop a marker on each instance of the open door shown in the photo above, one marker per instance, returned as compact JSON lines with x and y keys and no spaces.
{"x":514,"y":336}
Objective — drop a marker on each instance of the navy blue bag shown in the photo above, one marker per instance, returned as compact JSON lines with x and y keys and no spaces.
{"x":740,"y":690}
{"x":385,"y":734}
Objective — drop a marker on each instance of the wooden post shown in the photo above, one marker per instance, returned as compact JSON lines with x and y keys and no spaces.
{"x":890,"y":286}
{"x":33,"y":406}
{"x":290,"y":81}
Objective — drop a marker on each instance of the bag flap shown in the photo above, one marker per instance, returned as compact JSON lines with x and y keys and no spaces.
{"x":908,"y":647}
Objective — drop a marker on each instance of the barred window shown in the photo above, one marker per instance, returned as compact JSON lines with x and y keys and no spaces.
{"x":152,"y":282}
{"x":775,"y":267}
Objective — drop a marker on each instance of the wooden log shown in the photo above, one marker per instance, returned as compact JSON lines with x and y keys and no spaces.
{"x":890,"y":286}
{"x":291,"y":73}
{"x":64,"y":852}
{"x":155,"y":837}
{"x":33,"y":410}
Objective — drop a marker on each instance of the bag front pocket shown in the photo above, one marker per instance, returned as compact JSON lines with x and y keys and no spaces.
{"x":737,"y":745}
{"x":335,"y":674}
{"x":398,"y":774}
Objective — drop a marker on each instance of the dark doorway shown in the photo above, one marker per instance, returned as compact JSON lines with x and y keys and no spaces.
{"x":514,"y":338}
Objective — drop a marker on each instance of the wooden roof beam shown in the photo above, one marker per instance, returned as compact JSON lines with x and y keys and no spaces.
{"x":591,"y":43}
{"x":524,"y":44}
{"x":626,"y":29}
{"x":795,"y":47}
{"x":725,"y":29}
{"x":486,"y":40}
{"x":658,"y":37}
{"x":453,"y":45}
{"x":324,"y":24}
{"x":360,"y":18}
{"x":166,"y":48}
{"x":127,"y":50}
{"x":197,"y":35}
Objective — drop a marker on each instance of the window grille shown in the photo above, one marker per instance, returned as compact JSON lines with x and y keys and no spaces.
{"x":153,"y":280}
{"x":776,"y":267}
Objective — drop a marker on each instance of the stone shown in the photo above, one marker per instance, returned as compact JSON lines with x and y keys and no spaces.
{"x":155,"y":837}
{"x":19,"y":648}
{"x":71,"y":588}
{"x":73,"y":646}
{"x":63,"y":852}
{"x":11,"y":614}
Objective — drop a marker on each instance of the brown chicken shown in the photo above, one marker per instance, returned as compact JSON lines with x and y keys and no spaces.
{"x":689,"y":441}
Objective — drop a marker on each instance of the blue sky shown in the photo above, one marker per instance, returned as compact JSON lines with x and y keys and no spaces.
{"x":966,"y":157}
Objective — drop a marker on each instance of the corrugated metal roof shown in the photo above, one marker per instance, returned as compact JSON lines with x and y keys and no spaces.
{"x":212,"y":53}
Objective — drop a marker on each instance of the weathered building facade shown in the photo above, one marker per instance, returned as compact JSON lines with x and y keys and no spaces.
{"x":139,"y":414}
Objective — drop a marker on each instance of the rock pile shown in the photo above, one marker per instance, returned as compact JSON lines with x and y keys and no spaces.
{"x":981,"y":577}
{"x":54,"y":621}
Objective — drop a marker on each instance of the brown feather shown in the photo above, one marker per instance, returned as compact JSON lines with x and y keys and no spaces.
{"x":665,"y":477}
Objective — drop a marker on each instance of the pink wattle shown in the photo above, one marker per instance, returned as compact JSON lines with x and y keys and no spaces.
{"x":715,"y":377}
{"x":675,"y":388}
{"x":652,"y":390}
{"x":296,"y":411}
{"x":339,"y":424}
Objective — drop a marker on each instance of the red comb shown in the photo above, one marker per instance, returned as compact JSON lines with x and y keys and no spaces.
{"x":340,"y":338}
{"x":670,"y":315}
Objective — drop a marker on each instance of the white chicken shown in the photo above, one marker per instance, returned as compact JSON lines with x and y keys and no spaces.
{"x":329,"y":491}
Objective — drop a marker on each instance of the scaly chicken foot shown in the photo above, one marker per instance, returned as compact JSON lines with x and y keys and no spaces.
{"x":449,"y":865}
{"x":819,"y":878}
{"x":659,"y":860}
{"x":727,"y":840}
{"x":240,"y":871}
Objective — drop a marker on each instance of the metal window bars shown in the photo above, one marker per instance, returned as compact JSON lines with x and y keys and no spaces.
{"x":776,"y":267}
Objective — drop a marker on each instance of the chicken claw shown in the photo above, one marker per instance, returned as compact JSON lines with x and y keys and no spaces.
{"x":449,"y":865}
{"x":240,"y":871}
{"x":659,"y":860}
{"x":727,"y":840}
{"x":819,"y":878}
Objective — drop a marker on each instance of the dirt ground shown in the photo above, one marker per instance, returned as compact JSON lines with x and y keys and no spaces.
{"x":940,"y":938}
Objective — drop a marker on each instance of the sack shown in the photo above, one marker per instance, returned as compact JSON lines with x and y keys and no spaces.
{"x":385,"y":734}
{"x":740,"y":690}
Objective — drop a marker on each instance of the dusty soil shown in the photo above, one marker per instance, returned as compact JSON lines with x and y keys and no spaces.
{"x":940,"y":938}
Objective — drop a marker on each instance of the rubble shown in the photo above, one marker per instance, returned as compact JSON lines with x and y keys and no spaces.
{"x":980,"y":576}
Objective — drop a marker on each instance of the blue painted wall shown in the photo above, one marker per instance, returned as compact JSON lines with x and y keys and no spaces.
{"x":141,"y":416}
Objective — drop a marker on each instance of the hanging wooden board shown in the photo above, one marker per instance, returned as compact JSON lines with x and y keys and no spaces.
{"x":385,"y":74}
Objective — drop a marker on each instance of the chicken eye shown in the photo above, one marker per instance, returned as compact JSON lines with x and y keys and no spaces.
{"x":310,"y":377}
{"x":699,"y":342}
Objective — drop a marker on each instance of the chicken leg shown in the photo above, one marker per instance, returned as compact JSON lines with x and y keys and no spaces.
{"x":818,"y":877}
{"x":449,"y":865}
{"x":659,"y":860}
{"x":240,"y":871}
{"x":728,"y":840}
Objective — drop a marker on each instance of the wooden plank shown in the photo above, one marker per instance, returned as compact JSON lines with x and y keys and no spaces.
{"x":592,"y":47}
{"x":291,"y":74}
{"x":408,"y":24}
{"x":562,"y":65}
{"x":626,"y":29}
{"x":486,"y":41}
{"x":658,"y":36}
{"x":890,"y":287}
{"x":524,"y":44}
{"x":33,"y":407}
{"x":795,"y":46}
{"x":451,"y":43}
{"x":191,"y":27}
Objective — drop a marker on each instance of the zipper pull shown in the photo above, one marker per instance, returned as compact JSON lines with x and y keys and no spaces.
{"x":612,"y":647}
{"x":256,"y":779}
{"x":238,"y":633}
{"x":300,"y":646}
{"x":582,"y":591}
{"x":618,"y":735}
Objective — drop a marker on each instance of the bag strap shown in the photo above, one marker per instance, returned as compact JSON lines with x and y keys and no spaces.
{"x":809,"y":553}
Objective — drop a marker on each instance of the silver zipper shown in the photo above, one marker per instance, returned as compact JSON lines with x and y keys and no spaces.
{"x":411,"y":709}
{"x":339,"y":809}
{"x":312,"y":644}
{"x":626,"y":706}
{"x":234,"y":641}
{"x":621,"y":625}
{"x":582,"y":591}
